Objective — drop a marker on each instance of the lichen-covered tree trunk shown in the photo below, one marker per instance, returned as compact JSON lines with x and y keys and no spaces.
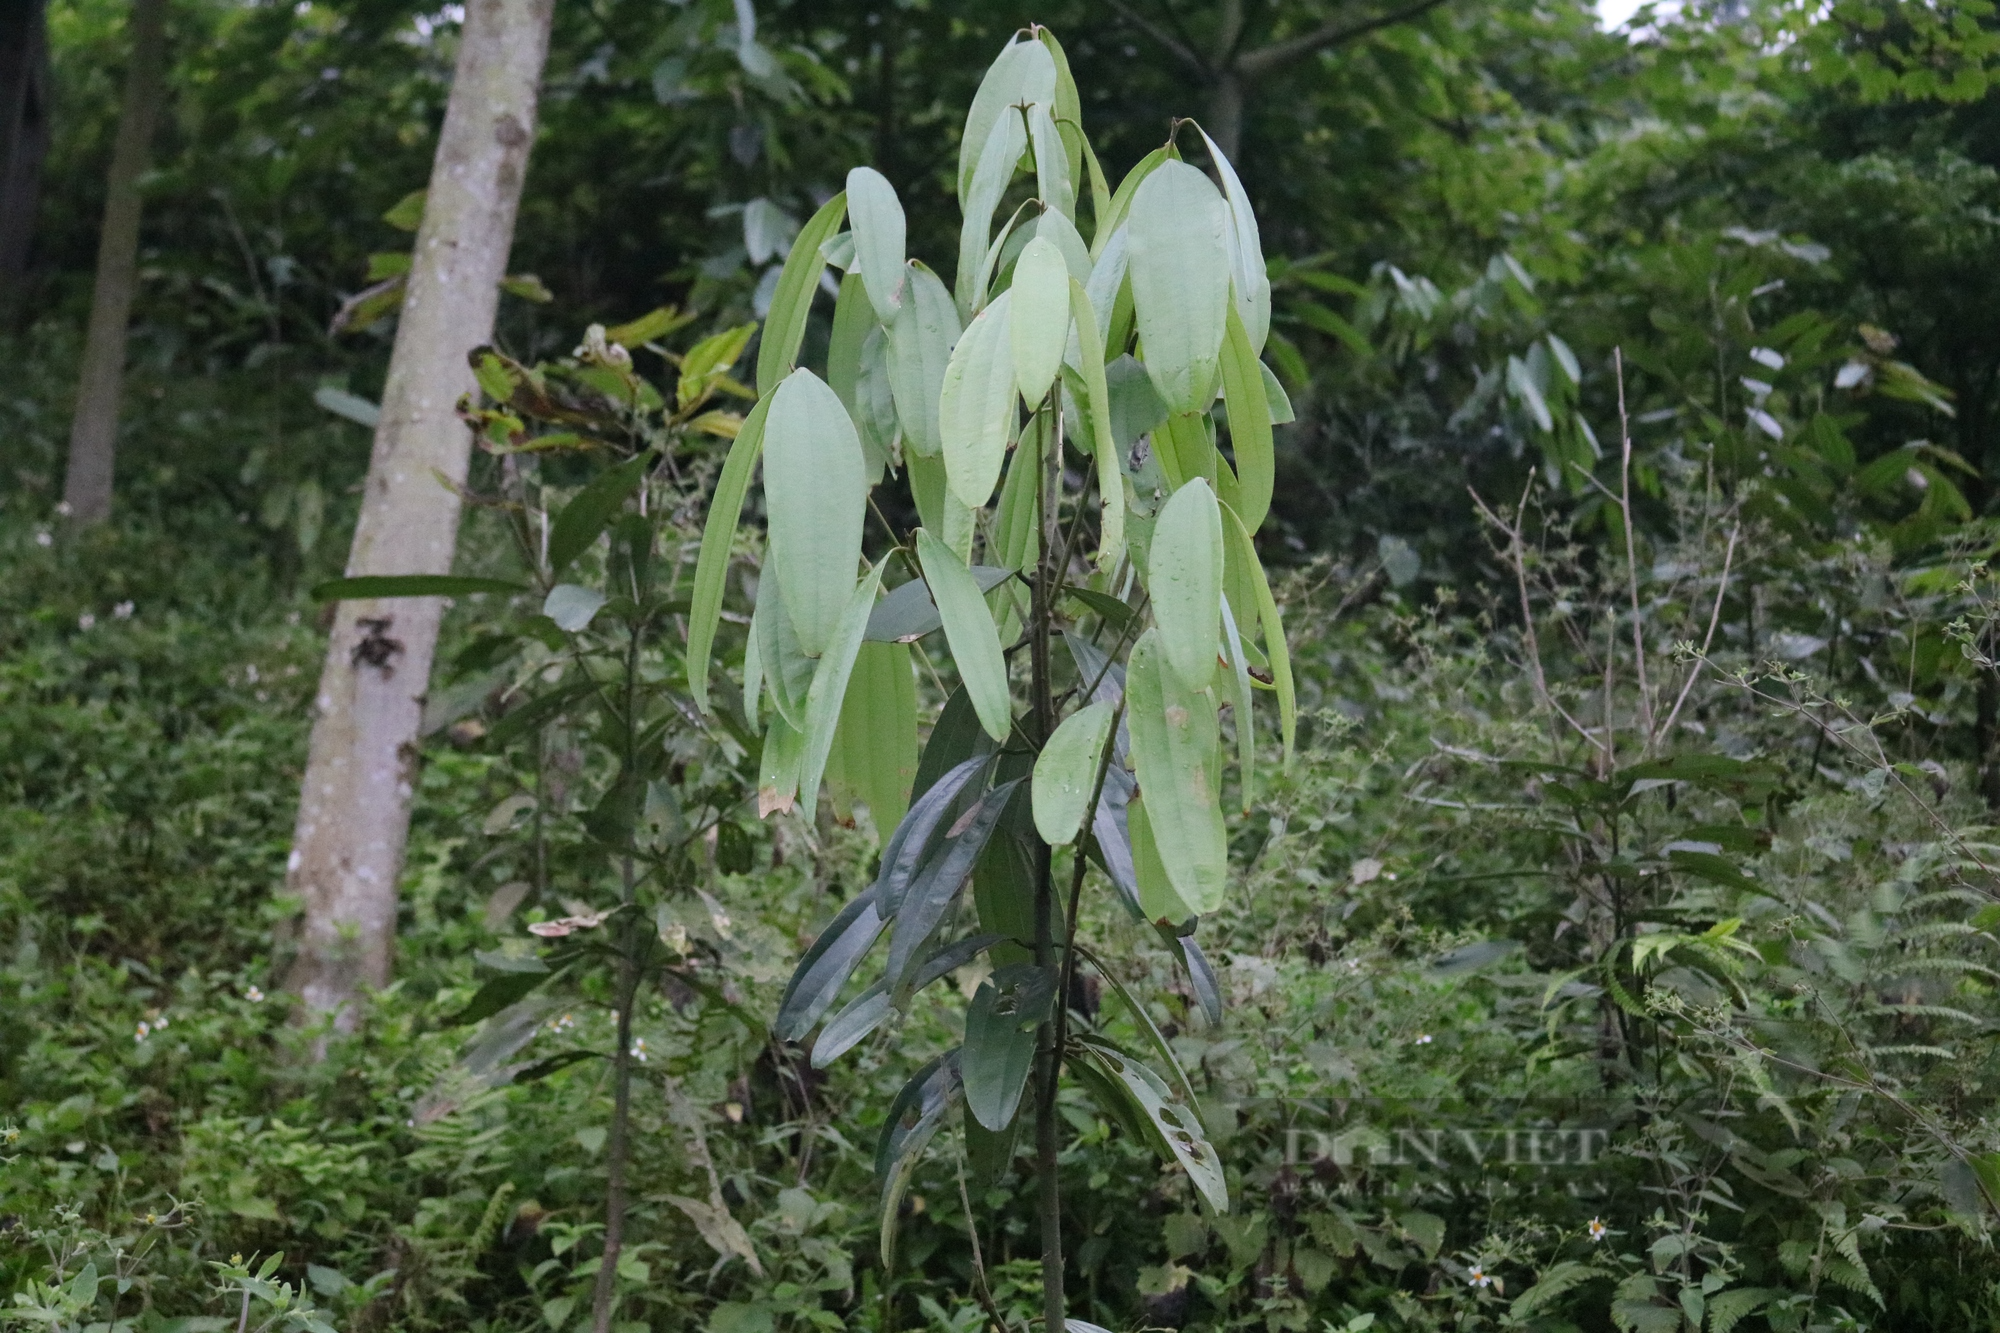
{"x":93,"y":435}
{"x":354,"y":804}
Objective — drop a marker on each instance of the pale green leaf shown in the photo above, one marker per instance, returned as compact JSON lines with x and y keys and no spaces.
{"x":791,"y":303}
{"x":1066,"y":772}
{"x":920,"y":344}
{"x":877,"y":218}
{"x":1243,"y":701}
{"x":1107,"y":278}
{"x":976,"y":404}
{"x":718,"y":534}
{"x":787,"y":671}
{"x":1275,"y":395}
{"x":1038,"y":322}
{"x":1249,"y":424}
{"x":1175,"y":744}
{"x":1053,"y":181}
{"x":1121,"y":201}
{"x":1016,"y":536}
{"x":778,"y":771}
{"x":1245,"y":551}
{"x":1179,"y":268}
{"x":877,"y":740}
{"x":1246,"y":254}
{"x":1158,"y":899}
{"x":969,"y":628}
{"x":829,"y":683}
{"x":816,"y":494}
{"x":1060,"y":232}
{"x":854,"y":330}
{"x":1174,"y":1121}
{"x":1110,"y":477}
{"x":1004,"y":145}
{"x":1184,"y":576}
{"x":572,"y":606}
{"x":1023,"y":72}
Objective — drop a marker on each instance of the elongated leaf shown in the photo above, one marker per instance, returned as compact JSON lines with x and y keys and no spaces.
{"x":827,"y":965}
{"x":1066,"y":772}
{"x":1184,"y":576}
{"x":778,"y":769}
{"x":854,"y":328}
{"x":955,"y":737}
{"x":791,"y":302}
{"x":498,"y":993}
{"x":1121,"y":201}
{"x":938,"y":1089}
{"x":879,"y":230}
{"x":1111,"y":839}
{"x":878,"y":732}
{"x":1097,"y":391}
{"x":999,"y":1050}
{"x":920,"y":346}
{"x":1015,"y":539}
{"x":1179,"y":270}
{"x":1159,"y":901}
{"x":1175,"y":741}
{"x":1242,"y":701}
{"x":586,"y":515}
{"x":908,"y":613}
{"x":787,"y":671}
{"x":851,"y":1026}
{"x":976,"y":405}
{"x":1249,"y":424}
{"x":941,"y":877}
{"x":718,"y":535}
{"x":1201,"y":976}
{"x":1275,"y":395}
{"x":1136,"y":408}
{"x":828,"y":692}
{"x":1175,"y":1122}
{"x":1038,"y":318}
{"x":753,"y":675}
{"x":968,"y":626}
{"x":1005,"y":142}
{"x":1143,"y":1020}
{"x":1060,"y":232}
{"x":1273,"y":626}
{"x":1018,"y":75}
{"x":1106,"y":281}
{"x":816,"y":489}
{"x":908,"y":846}
{"x":1252,"y":294}
{"x":370,"y":586}
{"x":1068,"y":107}
{"x":952,"y":957}
{"x":1054,"y":181}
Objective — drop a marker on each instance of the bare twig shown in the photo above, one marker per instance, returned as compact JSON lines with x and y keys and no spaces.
{"x":1264,"y":60}
{"x":1714,"y":618}
{"x":1631,"y":553}
{"x":980,"y":1290}
{"x":1517,"y":558}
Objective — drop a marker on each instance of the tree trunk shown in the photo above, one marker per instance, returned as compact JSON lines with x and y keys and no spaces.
{"x":1225,"y":112}
{"x":93,"y":436}
{"x":361,"y":770}
{"x":24,"y":140}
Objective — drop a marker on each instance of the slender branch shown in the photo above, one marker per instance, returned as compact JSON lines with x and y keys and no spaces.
{"x":980,"y":1290}
{"x":1516,"y":556}
{"x":1265,"y":60}
{"x":1631,"y":554}
{"x":1175,"y":47}
{"x":1714,"y":617}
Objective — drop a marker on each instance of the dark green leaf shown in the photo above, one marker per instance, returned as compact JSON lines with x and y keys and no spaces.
{"x":585,"y":516}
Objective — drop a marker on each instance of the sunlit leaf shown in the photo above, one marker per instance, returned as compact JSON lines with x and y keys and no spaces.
{"x":816,"y":492}
{"x":1184,"y":576}
{"x":877,"y":218}
{"x":718,"y":535}
{"x":1179,"y":269}
{"x":920,"y":347}
{"x":1066,"y":772}
{"x":791,"y":302}
{"x":976,"y":405}
{"x":1038,"y":317}
{"x":1175,"y":742}
{"x":974,"y":639}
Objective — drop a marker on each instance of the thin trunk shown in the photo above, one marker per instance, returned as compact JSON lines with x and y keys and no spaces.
{"x":354,"y":804}
{"x":1225,"y":112}
{"x":1048,"y":1127}
{"x":93,"y":437}
{"x":24,"y":141}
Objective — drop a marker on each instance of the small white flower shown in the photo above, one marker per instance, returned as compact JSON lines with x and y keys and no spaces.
{"x":639,"y":1050}
{"x":252,"y":994}
{"x":563,"y":1024}
{"x":250,"y":673}
{"x":1597,"y":1228}
{"x":160,"y":1023}
{"x":86,"y":621}
{"x":44,"y":539}
{"x":63,"y":509}
{"x":1478,"y":1277}
{"x":123,"y":610}
{"x":141,"y":1034}
{"x":1423,"y":1039}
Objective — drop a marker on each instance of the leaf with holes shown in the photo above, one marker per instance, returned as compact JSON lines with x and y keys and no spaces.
{"x":999,"y":1051}
{"x":1175,"y":1123}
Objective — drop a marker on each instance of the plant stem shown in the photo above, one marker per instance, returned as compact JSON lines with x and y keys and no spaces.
{"x":1048,"y":1142}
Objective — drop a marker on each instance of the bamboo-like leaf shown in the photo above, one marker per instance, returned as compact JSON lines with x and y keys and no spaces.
{"x":1275,"y":395}
{"x":1038,"y":317}
{"x":1179,"y":268}
{"x":999,"y":1050}
{"x":1249,"y":424}
{"x":908,"y":613}
{"x":1274,"y":629}
{"x":920,"y":346}
{"x":958,"y":527}
{"x":878,"y":732}
{"x":937,"y":1090}
{"x":969,"y":628}
{"x":903,"y":855}
{"x":1068,"y":108}
{"x":1159,"y":901}
{"x":879,"y":231}
{"x":1175,"y":741}
{"x":1201,"y":976}
{"x":827,"y":965}
{"x":1175,"y":1122}
{"x":1054,"y":182}
{"x":997,"y":161}
{"x":1066,"y":772}
{"x":816,"y":492}
{"x":1184,"y":576}
{"x":1242,"y":699}
{"x":753,"y":676}
{"x":1106,"y":281}
{"x":1019,"y":74}
{"x":976,"y":405}
{"x":585,"y":516}
{"x":927,"y":486}
{"x":778,"y":771}
{"x":787,"y":671}
{"x":1060,"y":232}
{"x":791,"y":302}
{"x":1097,"y":393}
{"x":941,"y":877}
{"x":1016,"y":536}
{"x":1109,"y":225}
{"x":718,"y":535}
{"x":851,"y":1026}
{"x":829,"y":685}
{"x":1246,"y":254}
{"x":854,"y":329}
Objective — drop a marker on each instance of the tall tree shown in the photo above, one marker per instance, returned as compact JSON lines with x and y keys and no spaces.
{"x":24,"y":138}
{"x":354,"y":804}
{"x":93,"y":436}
